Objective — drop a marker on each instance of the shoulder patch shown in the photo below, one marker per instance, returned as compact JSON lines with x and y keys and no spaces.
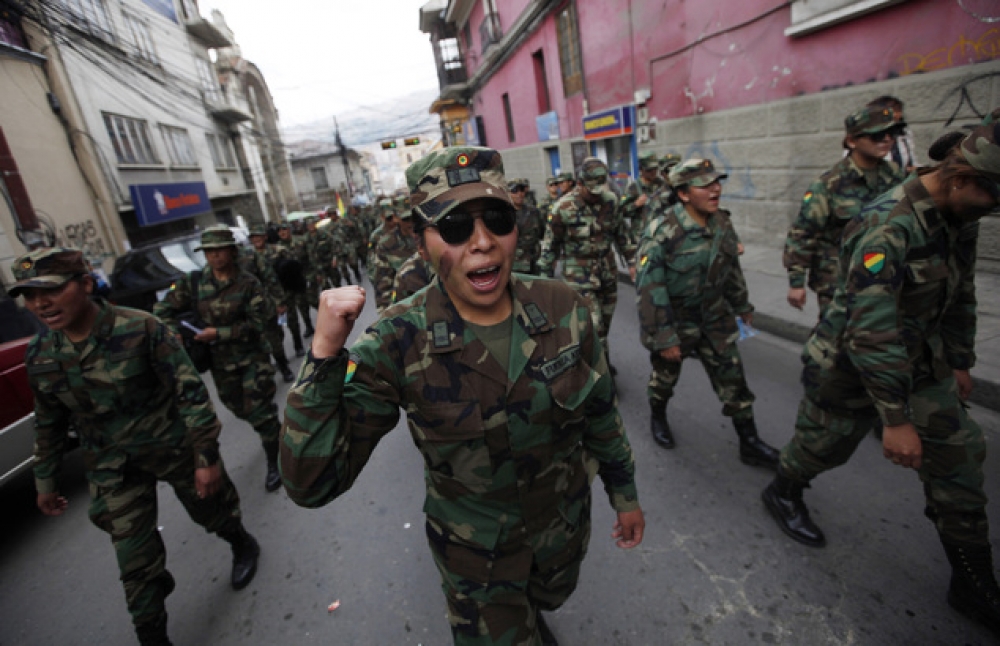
{"x":874,"y":259}
{"x":808,"y":196}
{"x":352,"y":366}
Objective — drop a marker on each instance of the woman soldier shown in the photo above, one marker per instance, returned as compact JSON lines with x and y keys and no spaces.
{"x":896,"y":346}
{"x":234,"y":308}
{"x":506,"y":389}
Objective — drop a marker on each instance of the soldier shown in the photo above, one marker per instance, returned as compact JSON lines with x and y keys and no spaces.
{"x":255,"y":262}
{"x":392,"y":249}
{"x":639,"y":191}
{"x":667,"y":162}
{"x":413,"y":275}
{"x":508,"y":495}
{"x":123,"y":380}
{"x":530,"y":229}
{"x":552,"y":190}
{"x":291,"y":269}
{"x":582,"y":227}
{"x":689,"y":293}
{"x":388,"y":223}
{"x":831,"y":201}
{"x":566,"y":183}
{"x":233,"y":306}
{"x":896,"y":344}
{"x":322,"y":258}
{"x":346,"y":240}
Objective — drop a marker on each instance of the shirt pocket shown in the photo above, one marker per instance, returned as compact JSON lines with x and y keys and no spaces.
{"x":134,"y":381}
{"x":450,"y":435}
{"x":927,"y":287}
{"x":569,"y":393}
{"x":683,"y":274}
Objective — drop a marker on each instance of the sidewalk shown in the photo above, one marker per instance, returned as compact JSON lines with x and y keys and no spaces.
{"x":768,"y":284}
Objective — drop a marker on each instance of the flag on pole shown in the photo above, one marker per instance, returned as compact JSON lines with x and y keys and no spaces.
{"x":340,"y":206}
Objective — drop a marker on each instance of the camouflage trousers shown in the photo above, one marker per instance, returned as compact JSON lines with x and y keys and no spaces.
{"x":494,"y":595}
{"x":127,"y":512}
{"x":725,"y":371}
{"x":298,"y":305}
{"x":248,"y":391}
{"x":276,"y":339}
{"x":596,"y":280}
{"x":953,"y":448}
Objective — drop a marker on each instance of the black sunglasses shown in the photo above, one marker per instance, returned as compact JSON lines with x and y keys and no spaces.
{"x":878,"y":137}
{"x":457,"y":227}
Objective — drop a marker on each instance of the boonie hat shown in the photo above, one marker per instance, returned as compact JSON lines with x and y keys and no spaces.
{"x":869,"y":121}
{"x":216,"y":237}
{"x":47,"y":268}
{"x":648,"y":160}
{"x":446,"y":178}
{"x":981,"y":150}
{"x":694,"y":172}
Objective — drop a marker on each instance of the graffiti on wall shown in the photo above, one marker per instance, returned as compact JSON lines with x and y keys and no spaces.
{"x":963,"y":51}
{"x":85,"y":237}
{"x":740,"y":184}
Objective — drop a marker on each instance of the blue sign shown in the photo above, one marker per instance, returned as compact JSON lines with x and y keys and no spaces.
{"x":616,"y":122}
{"x":548,"y":126}
{"x":163,"y":7}
{"x":159,"y":203}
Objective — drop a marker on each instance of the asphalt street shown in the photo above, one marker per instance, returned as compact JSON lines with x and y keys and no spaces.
{"x":713,"y":568}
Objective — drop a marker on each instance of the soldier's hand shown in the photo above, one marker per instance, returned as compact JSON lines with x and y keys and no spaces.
{"x":628,"y":529}
{"x":797,"y":297}
{"x":964,"y":381}
{"x":52,"y":504}
{"x":208,"y":335}
{"x":338,"y":309}
{"x":902,"y":445}
{"x":641,"y":201}
{"x":207,"y":480}
{"x":672,"y":354}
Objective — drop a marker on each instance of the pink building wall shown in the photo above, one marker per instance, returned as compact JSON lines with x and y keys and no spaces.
{"x":646,"y":44}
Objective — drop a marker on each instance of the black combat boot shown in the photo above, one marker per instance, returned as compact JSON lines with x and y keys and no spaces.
{"x":245,"y":553}
{"x":753,"y":450}
{"x":548,"y":639}
{"x":658,"y":424}
{"x":286,"y":373}
{"x":309,"y":329}
{"x":974,"y":591}
{"x":153,"y":634}
{"x":783,"y":498}
{"x":272,"y":482}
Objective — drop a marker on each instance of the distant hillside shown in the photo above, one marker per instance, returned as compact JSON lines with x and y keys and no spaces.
{"x":403,"y":116}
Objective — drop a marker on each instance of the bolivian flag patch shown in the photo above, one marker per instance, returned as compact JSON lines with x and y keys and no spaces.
{"x":874,"y":261}
{"x":352,"y":367}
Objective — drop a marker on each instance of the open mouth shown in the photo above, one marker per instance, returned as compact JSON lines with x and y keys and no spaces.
{"x":485,"y":279}
{"x":50,"y":317}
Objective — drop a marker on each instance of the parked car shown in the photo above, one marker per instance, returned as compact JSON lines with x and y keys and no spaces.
{"x":17,"y":414}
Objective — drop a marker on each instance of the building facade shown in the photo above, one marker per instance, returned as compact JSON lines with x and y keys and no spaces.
{"x":761,"y":87}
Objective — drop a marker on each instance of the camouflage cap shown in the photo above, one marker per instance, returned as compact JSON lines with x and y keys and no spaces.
{"x":981,"y":150}
{"x":517,"y":182}
{"x":258,"y":230}
{"x":446,"y":178}
{"x":648,"y":160}
{"x":869,"y":121}
{"x":694,"y":172}
{"x":216,"y":237}
{"x":552,"y":181}
{"x":594,"y":173}
{"x":47,"y":269}
{"x":669,"y":160}
{"x":400,"y":201}
{"x":283,"y":225}
{"x":565,"y":177}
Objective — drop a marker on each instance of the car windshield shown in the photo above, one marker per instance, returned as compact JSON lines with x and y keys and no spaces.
{"x":180,"y":255}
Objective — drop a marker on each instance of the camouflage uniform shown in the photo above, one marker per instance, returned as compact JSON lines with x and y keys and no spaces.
{"x":322,"y":251}
{"x":143,"y":415}
{"x":347,"y":241}
{"x":530,"y":229}
{"x":583,"y":234}
{"x":296,"y":301}
{"x":508,"y":496}
{"x":391,"y":251}
{"x":838,"y":195}
{"x":635,"y":216}
{"x":413,"y":275}
{"x":256,"y":264}
{"x":244,"y":377}
{"x":545,"y":204}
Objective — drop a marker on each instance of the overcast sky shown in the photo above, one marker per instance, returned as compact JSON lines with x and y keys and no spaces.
{"x":324,"y":57}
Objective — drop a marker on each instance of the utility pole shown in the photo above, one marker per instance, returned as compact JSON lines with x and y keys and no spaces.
{"x":343,"y":157}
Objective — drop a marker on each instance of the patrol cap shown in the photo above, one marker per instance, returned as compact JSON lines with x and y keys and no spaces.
{"x":594,"y":174}
{"x":517,"y":184}
{"x":47,"y":268}
{"x":283,"y":225}
{"x":552,"y":181}
{"x":216,"y":237}
{"x":694,"y":172}
{"x":648,"y":160}
{"x":981,"y":150}
{"x":257,"y":230}
{"x":669,"y":160}
{"x":942,"y":145}
{"x":869,"y":121}
{"x":446,"y":178}
{"x":565,"y":177}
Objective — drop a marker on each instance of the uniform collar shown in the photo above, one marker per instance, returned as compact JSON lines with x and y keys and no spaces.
{"x":924,"y":209}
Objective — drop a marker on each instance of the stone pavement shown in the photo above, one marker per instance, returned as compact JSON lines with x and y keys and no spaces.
{"x":768,"y":284}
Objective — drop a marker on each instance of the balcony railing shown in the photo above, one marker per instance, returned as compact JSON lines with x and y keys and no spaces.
{"x":220,"y":106}
{"x":489,"y":31}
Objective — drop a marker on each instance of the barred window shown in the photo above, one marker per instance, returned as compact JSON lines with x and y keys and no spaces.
{"x":222,"y":150}
{"x":131,"y":141}
{"x":92,"y":16}
{"x":142,"y":39}
{"x":179,"y":146}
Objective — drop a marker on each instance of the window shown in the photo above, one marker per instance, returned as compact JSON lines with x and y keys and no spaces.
{"x":130,"y":138}
{"x":179,"y":146}
{"x":541,"y":82}
{"x":190,"y":9}
{"x":319,"y":178}
{"x":222,"y":150}
{"x":10,"y":31}
{"x":142,"y":39}
{"x":92,"y":16}
{"x":208,"y":80}
{"x":808,"y":16}
{"x":509,"y":116}
{"x":569,"y":52}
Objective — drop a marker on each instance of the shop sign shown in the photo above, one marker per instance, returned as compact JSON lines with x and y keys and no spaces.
{"x":159,"y":203}
{"x":616,"y":122}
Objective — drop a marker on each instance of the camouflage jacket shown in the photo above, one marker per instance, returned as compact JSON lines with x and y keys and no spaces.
{"x":583,"y":233}
{"x":413,"y":275}
{"x":237,"y":308}
{"x":130,"y":391}
{"x":838,"y":195}
{"x":530,"y":229}
{"x":635,"y":216}
{"x":392,"y":250}
{"x":320,"y":247}
{"x":347,"y":240}
{"x":907,"y":307}
{"x":689,"y":282}
{"x":504,"y":451}
{"x":257,"y":264}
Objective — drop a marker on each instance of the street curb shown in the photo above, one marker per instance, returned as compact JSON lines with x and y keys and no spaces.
{"x":985,"y":393}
